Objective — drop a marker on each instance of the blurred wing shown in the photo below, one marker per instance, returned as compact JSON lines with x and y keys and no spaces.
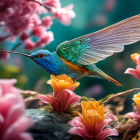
{"x":97,"y":46}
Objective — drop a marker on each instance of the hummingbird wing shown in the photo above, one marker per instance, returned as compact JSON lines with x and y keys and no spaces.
{"x":96,"y":46}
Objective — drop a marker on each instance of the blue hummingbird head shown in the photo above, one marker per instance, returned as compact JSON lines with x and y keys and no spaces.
{"x":44,"y":59}
{"x":41,"y":55}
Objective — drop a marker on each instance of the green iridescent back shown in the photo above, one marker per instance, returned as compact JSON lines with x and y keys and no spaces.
{"x":71,"y":50}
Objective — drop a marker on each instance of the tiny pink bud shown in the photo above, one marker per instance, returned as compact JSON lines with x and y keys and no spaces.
{"x":29,"y":45}
{"x":38,"y":31}
{"x":24,"y":36}
{"x":45,"y":39}
{"x":4,"y":55}
{"x":47,"y":22}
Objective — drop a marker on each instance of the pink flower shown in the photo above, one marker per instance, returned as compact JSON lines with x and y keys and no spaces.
{"x":47,"y":22}
{"x":24,"y":36}
{"x":62,"y":97}
{"x":62,"y":101}
{"x":29,"y":44}
{"x":45,"y":39}
{"x":134,"y":115}
{"x":4,"y":55}
{"x":22,"y":17}
{"x":90,"y":124}
{"x":13,"y":122}
{"x":64,"y":15}
{"x":135,"y":72}
{"x":53,"y":3}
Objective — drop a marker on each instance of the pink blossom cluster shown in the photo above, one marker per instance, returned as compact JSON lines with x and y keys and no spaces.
{"x":21,"y":18}
{"x":13,"y":122}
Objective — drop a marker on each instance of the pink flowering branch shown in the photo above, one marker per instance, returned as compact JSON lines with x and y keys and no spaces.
{"x":20,"y":19}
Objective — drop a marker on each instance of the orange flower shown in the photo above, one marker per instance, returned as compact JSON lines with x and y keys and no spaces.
{"x":93,"y":114}
{"x":62,"y":82}
{"x":135,"y":115}
{"x":63,"y":95}
{"x":91,"y":122}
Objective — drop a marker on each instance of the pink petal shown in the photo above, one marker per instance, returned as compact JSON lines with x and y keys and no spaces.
{"x":112,"y":117}
{"x":53,"y":101}
{"x":66,"y":98}
{"x":76,"y":122}
{"x":6,"y":102}
{"x":81,"y":132}
{"x":18,"y":127}
{"x":7,"y":84}
{"x":138,"y":69}
{"x":132,"y":72}
{"x":25,"y":136}
{"x":15,"y":112}
{"x":1,"y":121}
{"x":48,"y":99}
{"x":99,"y":128}
{"x":134,"y":115}
{"x":42,"y":98}
{"x":105,"y":133}
{"x":137,"y":58}
{"x":29,"y":44}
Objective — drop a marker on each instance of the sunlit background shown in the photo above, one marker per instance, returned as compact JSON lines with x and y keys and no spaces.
{"x":91,"y":15}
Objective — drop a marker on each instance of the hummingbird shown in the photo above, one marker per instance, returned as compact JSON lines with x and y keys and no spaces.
{"x":77,"y":57}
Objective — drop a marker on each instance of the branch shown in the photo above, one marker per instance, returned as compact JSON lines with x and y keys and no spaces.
{"x":121,"y":94}
{"x":39,"y":4}
{"x":4,"y":38}
{"x":16,"y":46}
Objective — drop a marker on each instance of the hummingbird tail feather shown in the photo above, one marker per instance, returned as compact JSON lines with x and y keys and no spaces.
{"x":111,"y":79}
{"x":93,"y":69}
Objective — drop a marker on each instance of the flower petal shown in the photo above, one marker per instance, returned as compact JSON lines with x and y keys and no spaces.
{"x":134,"y":115}
{"x":16,"y":128}
{"x":132,"y":72}
{"x":42,"y":98}
{"x":105,"y":133}
{"x":66,"y":98}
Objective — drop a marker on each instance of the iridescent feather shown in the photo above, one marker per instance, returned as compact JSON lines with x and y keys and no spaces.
{"x":91,"y":48}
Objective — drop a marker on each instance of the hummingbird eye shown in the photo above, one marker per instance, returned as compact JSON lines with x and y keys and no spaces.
{"x":41,"y":55}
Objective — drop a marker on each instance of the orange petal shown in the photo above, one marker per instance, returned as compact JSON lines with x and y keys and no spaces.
{"x":65,"y":77}
{"x":84,"y":105}
{"x":101,"y":110}
{"x":52,"y":77}
{"x":137,"y":95}
{"x":55,"y":86}
{"x":97,"y":103}
{"x":74,"y":86}
{"x":137,"y":101}
{"x":49,"y":82}
{"x":133,"y":57}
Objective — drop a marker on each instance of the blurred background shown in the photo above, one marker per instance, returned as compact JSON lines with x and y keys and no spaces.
{"x":91,"y":15}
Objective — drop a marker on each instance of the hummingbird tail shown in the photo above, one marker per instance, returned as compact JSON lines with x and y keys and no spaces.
{"x":96,"y":71}
{"x":111,"y":79}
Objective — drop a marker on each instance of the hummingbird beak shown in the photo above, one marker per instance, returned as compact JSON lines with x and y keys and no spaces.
{"x":17,"y":53}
